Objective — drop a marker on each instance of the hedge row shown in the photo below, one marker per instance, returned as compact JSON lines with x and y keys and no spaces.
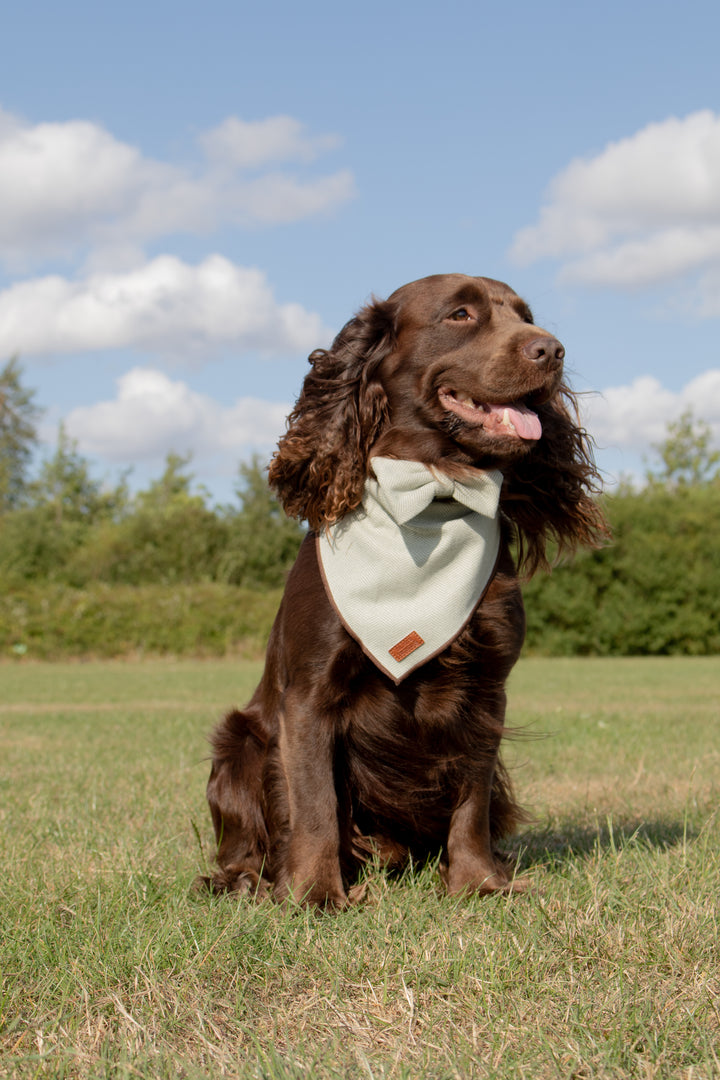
{"x":654,"y":591}
{"x":51,"y":622}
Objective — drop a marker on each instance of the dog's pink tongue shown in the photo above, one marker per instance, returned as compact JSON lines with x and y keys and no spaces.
{"x":525,"y":421}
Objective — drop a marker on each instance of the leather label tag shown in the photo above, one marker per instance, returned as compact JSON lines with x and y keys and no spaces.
{"x":407,"y":645}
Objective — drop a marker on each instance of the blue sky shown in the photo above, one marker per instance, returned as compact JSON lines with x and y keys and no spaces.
{"x":195,"y":196}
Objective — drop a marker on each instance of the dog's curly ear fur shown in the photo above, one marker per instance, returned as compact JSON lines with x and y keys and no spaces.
{"x":320,"y":466}
{"x":551,"y":495}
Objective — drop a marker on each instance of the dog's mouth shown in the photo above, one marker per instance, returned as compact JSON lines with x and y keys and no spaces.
{"x":513,"y":419}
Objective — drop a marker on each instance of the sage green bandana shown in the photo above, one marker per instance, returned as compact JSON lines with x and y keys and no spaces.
{"x":406,"y":570}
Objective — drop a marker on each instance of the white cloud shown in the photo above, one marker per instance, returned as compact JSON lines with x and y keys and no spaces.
{"x":153,"y":414}
{"x":636,"y":416}
{"x":164,"y":305}
{"x":277,"y":199}
{"x":646,"y":209}
{"x":248,"y":144}
{"x":66,"y":185}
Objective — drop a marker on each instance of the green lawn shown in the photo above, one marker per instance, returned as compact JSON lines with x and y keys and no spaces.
{"x":112,"y":965}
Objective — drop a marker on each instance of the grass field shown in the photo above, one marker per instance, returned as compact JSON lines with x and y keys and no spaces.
{"x":112,"y":965}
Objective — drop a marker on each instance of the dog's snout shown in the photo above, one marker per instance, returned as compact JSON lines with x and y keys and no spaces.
{"x":547,"y":352}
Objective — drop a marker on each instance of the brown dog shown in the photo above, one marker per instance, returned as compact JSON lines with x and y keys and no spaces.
{"x":341,"y":752}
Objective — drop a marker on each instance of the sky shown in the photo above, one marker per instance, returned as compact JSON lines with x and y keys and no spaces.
{"x":194,"y":196}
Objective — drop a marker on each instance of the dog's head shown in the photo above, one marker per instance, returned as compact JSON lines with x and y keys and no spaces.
{"x":452,"y":371}
{"x":466,"y":361}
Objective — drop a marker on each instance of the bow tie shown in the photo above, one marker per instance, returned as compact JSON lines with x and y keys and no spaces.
{"x":406,"y":488}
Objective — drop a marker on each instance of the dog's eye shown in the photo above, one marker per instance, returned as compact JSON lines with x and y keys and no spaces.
{"x":461,"y":315}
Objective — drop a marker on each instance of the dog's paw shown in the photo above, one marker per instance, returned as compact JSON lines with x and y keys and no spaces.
{"x":237,"y":882}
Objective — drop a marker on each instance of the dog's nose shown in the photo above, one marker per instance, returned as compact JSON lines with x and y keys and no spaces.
{"x":545,"y":351}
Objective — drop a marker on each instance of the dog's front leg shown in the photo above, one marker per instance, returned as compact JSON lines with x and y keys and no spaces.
{"x":309,"y":870}
{"x":471,"y":865}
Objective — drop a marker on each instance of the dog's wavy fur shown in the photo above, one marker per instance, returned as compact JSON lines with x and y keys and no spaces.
{"x":330,"y":761}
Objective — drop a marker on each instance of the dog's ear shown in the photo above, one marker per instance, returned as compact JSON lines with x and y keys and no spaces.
{"x":551,"y":495}
{"x":320,"y":466}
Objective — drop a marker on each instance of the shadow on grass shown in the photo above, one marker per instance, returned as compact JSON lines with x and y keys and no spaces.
{"x":563,"y":842}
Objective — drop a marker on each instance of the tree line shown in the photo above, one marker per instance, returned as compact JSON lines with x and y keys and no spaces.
{"x":655,"y":590}
{"x":74,"y":549}
{"x":65,"y":526}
